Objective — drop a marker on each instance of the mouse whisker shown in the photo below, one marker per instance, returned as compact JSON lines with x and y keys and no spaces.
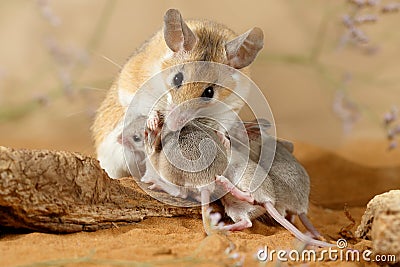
{"x":234,"y":138}
{"x":93,"y":88}
{"x":111,"y":61}
{"x":231,"y":137}
{"x":247,"y":122}
{"x":283,"y":139}
{"x":76,"y":113}
{"x":158,"y":100}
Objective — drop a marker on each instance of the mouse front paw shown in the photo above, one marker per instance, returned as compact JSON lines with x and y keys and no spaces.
{"x":153,"y":121}
{"x":224,"y":140}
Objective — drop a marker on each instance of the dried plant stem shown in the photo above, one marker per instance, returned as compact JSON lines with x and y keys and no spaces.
{"x":19,"y":111}
{"x":320,"y":37}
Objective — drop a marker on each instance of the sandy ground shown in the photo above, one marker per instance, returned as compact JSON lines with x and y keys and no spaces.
{"x":344,"y":168}
{"x":182,"y":242}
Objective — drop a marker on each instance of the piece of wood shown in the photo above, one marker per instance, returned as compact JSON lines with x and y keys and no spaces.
{"x":65,"y":192}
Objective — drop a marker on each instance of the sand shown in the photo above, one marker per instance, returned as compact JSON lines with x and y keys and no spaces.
{"x":182,"y":242}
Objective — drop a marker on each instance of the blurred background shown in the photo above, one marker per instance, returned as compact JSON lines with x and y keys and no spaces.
{"x":329,"y":69}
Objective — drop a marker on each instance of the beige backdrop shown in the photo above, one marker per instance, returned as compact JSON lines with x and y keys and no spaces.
{"x":299,"y":70}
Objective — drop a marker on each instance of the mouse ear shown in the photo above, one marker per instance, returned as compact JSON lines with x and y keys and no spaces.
{"x":242,"y":50}
{"x":177,"y":34}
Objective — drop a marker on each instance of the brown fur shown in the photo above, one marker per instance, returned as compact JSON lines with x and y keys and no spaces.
{"x":107,"y":116}
{"x":209,"y":47}
{"x":189,"y":141}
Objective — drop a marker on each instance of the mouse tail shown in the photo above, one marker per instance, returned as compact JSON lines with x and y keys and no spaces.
{"x":291,"y":228}
{"x":205,"y":200}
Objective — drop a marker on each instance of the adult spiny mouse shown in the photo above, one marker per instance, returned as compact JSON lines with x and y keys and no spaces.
{"x":176,"y":43}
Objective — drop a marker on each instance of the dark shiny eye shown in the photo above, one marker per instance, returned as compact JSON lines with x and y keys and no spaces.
{"x":208,"y":92}
{"x":136,"y":138}
{"x":178,"y":79}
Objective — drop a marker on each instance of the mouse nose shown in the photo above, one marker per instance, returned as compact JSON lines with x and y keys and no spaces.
{"x":178,"y":118}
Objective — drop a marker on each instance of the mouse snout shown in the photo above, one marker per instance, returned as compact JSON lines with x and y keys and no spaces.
{"x":177,"y":118}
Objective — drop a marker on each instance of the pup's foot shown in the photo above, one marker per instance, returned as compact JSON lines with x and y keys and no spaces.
{"x":237,"y":193}
{"x":212,"y":221}
{"x":239,"y":226}
{"x":156,"y":184}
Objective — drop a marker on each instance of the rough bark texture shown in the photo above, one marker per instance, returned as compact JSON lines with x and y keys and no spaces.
{"x":381,"y":224}
{"x":56,"y":191}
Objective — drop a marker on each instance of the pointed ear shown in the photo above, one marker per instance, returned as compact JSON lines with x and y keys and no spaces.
{"x":177,"y":34}
{"x":242,"y":50}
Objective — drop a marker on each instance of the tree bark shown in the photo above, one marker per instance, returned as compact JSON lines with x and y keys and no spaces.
{"x":64,"y":192}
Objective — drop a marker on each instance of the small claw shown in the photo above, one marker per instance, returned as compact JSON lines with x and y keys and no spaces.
{"x":146,"y":179}
{"x":212,"y":221}
{"x":220,"y":225}
{"x":154,"y":187}
{"x":239,"y":226}
{"x":224,"y":140}
{"x":215,"y":218}
{"x":150,"y":124}
{"x":153,"y":121}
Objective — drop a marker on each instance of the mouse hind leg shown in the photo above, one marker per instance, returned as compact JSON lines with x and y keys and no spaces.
{"x":269,"y":206}
{"x":309,"y":226}
{"x":241,"y":219}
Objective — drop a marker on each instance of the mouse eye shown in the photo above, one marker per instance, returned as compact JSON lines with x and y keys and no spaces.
{"x":208,"y":93}
{"x":136,"y":138}
{"x":178,"y":79}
